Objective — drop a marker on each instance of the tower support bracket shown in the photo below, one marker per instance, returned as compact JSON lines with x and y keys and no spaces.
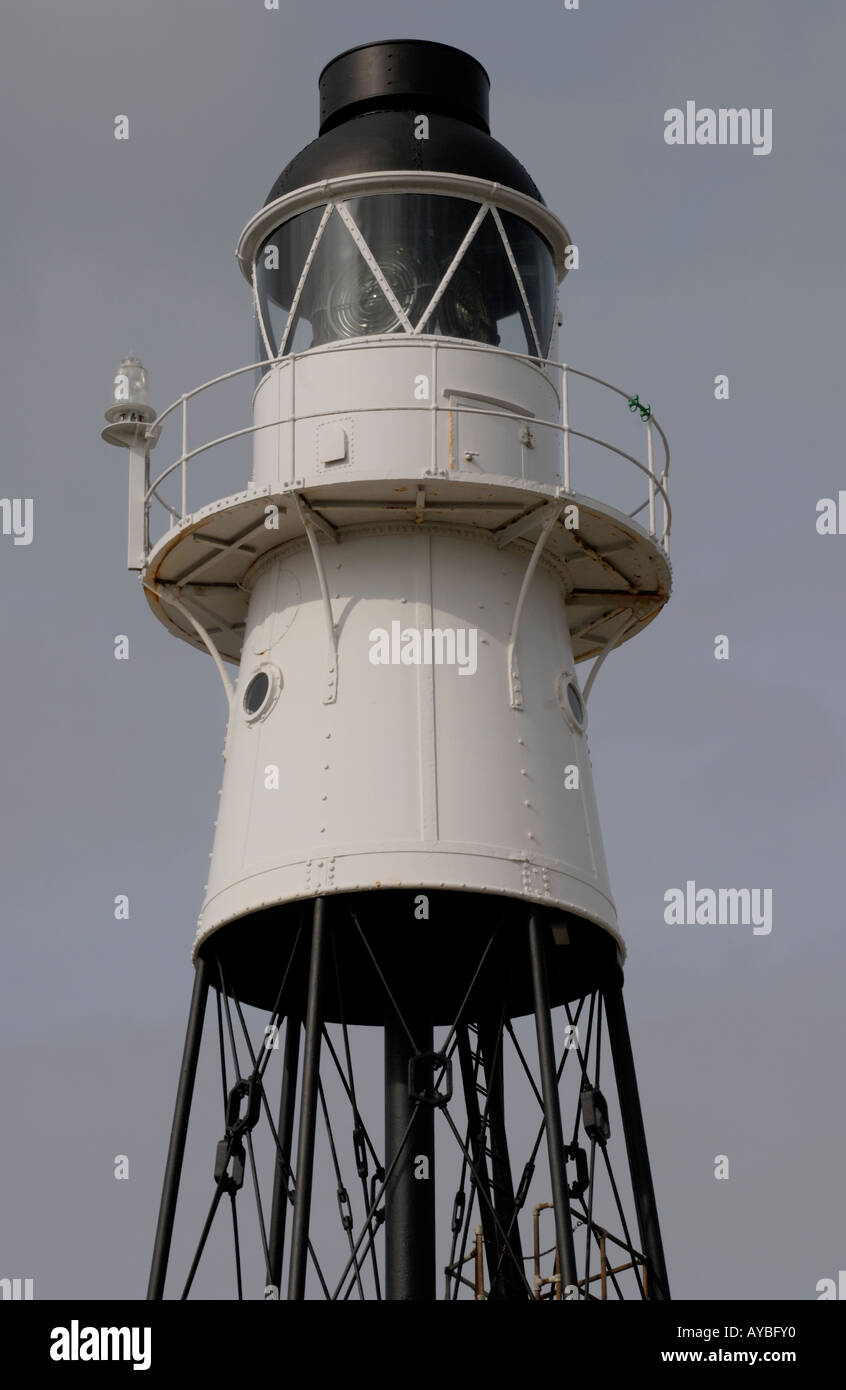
{"x":165,"y":592}
{"x":308,"y":519}
{"x":514,"y":687}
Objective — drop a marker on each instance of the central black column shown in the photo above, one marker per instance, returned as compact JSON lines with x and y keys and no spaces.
{"x":410,"y":1193}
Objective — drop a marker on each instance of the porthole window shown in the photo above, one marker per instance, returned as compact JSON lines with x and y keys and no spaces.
{"x":261,"y":692}
{"x":574,"y":700}
{"x":571,"y":701}
{"x":256,"y":692}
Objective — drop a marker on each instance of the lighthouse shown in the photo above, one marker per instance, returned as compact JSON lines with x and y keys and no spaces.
{"x":399,"y":593}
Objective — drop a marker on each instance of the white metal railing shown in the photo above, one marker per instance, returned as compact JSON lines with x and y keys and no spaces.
{"x":656,"y":482}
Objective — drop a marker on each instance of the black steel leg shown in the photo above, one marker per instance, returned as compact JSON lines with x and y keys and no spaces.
{"x":511,"y":1282}
{"x":285,"y":1131}
{"x":178,"y":1133}
{"x":552,"y":1106}
{"x":470,"y":1079}
{"x":308,"y":1108}
{"x":644,"y":1193}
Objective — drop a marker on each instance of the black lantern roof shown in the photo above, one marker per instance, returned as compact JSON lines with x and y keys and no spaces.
{"x":370,"y":99}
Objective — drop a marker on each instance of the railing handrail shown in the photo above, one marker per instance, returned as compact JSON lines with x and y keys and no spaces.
{"x":656,"y":481}
{"x":215,"y":381}
{"x":439,"y":409}
{"x":367,"y":341}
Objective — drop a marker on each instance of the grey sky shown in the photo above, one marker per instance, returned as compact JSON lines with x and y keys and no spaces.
{"x":694,"y":261}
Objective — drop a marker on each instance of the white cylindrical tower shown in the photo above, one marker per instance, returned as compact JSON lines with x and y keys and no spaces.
{"x":409,"y":615}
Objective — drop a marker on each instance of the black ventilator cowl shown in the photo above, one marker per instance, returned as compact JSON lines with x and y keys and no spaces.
{"x":397,"y":76}
{"x":370,"y":98}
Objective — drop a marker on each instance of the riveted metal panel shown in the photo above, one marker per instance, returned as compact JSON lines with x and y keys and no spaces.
{"x":438,"y":407}
{"x":420,"y":772}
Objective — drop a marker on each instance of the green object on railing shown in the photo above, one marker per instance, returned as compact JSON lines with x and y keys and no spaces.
{"x":645,"y":410}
